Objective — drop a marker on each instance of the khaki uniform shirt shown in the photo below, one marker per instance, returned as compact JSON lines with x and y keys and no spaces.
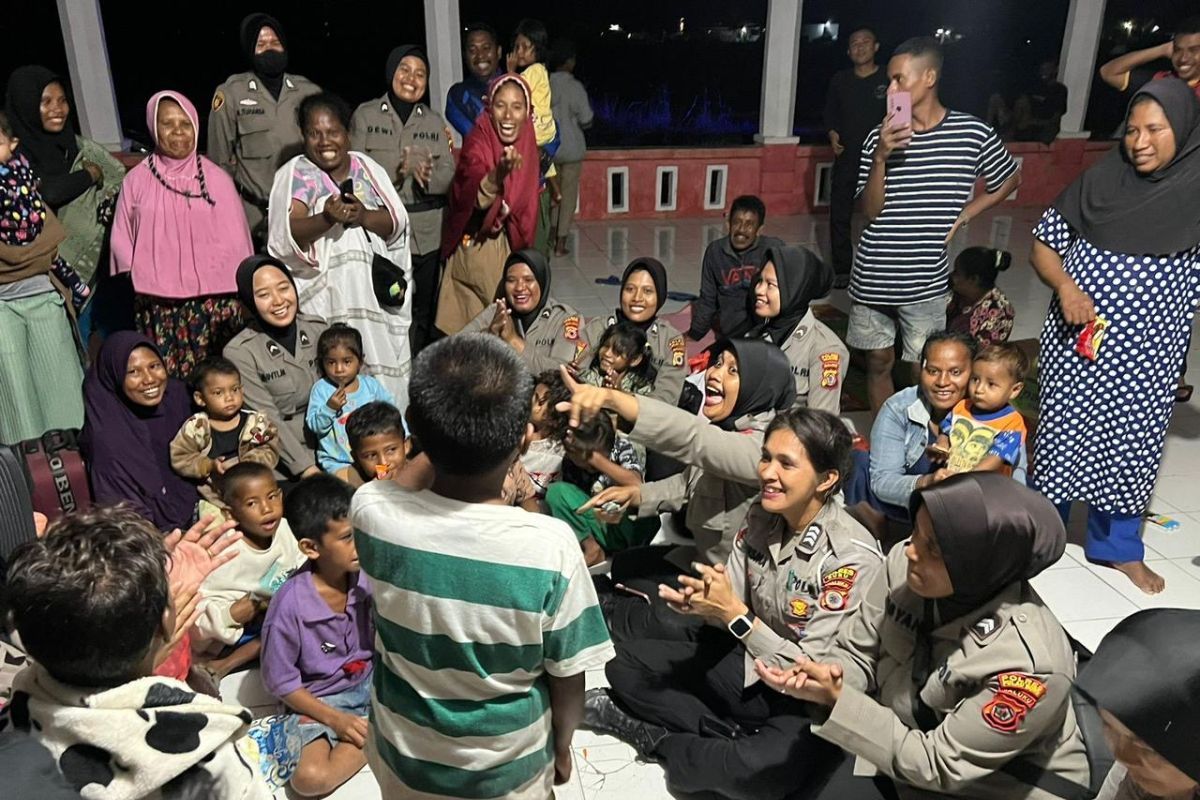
{"x":999,"y":687}
{"x":801,"y":585}
{"x":376,"y":130}
{"x":555,"y":337}
{"x":719,"y":483}
{"x":667,"y":345}
{"x":251,"y":134}
{"x":819,"y":361}
{"x":278,"y":384}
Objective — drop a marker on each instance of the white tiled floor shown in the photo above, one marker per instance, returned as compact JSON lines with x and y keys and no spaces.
{"x":1089,"y":600}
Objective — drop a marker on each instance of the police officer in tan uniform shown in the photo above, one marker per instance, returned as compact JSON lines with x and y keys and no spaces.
{"x":798,"y":569}
{"x":252,"y":127}
{"x":952,"y":676}
{"x":277,"y":356}
{"x":545,"y":332}
{"x":412,"y":143}
{"x":783,"y":290}
{"x":643,"y":292}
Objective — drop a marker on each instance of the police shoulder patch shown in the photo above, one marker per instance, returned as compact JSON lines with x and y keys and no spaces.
{"x":218,"y":100}
{"x":830,"y":366}
{"x":571,"y":327}
{"x":835,"y":588}
{"x":1016,"y":695}
{"x":678,"y":350}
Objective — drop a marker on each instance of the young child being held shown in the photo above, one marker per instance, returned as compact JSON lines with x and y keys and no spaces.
{"x":93,"y":601}
{"x":221,"y":435}
{"x":24,"y":215}
{"x":622,"y":361}
{"x":984,"y":433}
{"x":339,"y":393}
{"x":379,"y":444}
{"x":596,"y":459}
{"x":318,"y":639}
{"x":236,"y":595}
{"x":543,"y":459}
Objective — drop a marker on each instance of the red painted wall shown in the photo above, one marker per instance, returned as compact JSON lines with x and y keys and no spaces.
{"x":784,"y":176}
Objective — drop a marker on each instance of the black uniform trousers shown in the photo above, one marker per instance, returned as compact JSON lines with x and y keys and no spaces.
{"x":427,"y":273}
{"x":841,"y":209}
{"x":736,"y":742}
{"x":630,"y":617}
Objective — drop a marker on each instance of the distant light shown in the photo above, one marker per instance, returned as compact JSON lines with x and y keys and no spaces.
{"x":614,"y":27}
{"x":1154,"y":29}
{"x":1127,"y":25}
{"x":744,"y":30}
{"x":1029,"y":41}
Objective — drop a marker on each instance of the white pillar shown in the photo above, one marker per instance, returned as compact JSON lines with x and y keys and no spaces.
{"x":443,"y":47}
{"x":91,"y":78}
{"x":1077,"y":62}
{"x":781,"y":62}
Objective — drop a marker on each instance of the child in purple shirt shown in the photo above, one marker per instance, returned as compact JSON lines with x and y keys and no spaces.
{"x":318,"y":638}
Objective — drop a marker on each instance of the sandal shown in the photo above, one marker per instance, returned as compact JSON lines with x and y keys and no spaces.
{"x":1183,"y":393}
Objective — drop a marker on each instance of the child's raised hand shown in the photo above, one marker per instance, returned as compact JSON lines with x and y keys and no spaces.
{"x":337,"y":400}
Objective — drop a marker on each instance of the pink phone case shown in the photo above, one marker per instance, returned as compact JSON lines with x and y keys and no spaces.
{"x":900,"y":109}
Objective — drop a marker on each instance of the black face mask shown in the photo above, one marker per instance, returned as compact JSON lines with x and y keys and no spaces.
{"x":270,"y":63}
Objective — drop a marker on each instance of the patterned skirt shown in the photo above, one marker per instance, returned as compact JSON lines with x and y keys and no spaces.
{"x":188,"y":331}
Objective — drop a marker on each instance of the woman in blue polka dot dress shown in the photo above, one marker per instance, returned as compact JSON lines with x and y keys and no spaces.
{"x":1122,"y":243}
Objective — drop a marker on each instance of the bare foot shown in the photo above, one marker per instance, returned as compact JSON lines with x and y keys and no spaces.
{"x":1142,"y":576}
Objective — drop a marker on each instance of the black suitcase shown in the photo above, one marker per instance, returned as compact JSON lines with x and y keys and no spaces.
{"x":16,"y":505}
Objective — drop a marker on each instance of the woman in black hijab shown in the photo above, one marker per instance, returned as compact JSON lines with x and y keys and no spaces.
{"x":1145,"y":680}
{"x":1122,"y":245}
{"x":277,"y":356}
{"x":953,"y":676}
{"x":790,"y":279}
{"x":643,"y":293}
{"x":543,"y":331}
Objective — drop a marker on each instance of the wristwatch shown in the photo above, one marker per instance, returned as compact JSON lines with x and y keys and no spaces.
{"x":741,"y":625}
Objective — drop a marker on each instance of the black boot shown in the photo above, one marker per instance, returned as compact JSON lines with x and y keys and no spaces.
{"x":602,"y":715}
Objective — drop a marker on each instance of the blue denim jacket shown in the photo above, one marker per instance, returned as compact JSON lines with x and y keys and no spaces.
{"x":898,"y":440}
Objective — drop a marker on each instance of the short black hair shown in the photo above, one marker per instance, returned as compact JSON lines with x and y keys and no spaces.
{"x":238,"y":474}
{"x":314,"y":503}
{"x":826,"y":441}
{"x":749,"y":202}
{"x":941,"y":337}
{"x":1189,"y":26}
{"x":88,"y":597}
{"x":860,"y":29}
{"x":213,"y":365}
{"x":479,"y":27}
{"x":5,"y":126}
{"x":594,"y":435}
{"x":373,"y":419}
{"x":323,"y":101}
{"x":925,"y":47}
{"x":562,"y":51}
{"x":339,"y":334}
{"x":983,"y":264}
{"x":535,"y":31}
{"x":468,"y":403}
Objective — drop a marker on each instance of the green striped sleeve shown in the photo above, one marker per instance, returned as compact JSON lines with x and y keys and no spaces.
{"x":585,"y":631}
{"x":433,"y":778}
{"x":468,"y":580}
{"x":495,"y":716}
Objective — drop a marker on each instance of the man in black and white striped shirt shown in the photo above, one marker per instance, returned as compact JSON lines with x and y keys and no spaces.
{"x":915,"y":181}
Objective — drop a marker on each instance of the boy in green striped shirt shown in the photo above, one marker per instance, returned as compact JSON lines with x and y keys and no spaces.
{"x":486,"y":616}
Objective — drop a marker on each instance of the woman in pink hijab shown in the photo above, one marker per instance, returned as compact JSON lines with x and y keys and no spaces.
{"x":180,"y":232}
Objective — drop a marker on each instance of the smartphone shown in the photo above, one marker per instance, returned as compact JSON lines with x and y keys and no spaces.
{"x":346,"y":188}
{"x":900,"y":109}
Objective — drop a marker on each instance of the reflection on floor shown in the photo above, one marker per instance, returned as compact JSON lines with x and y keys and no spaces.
{"x":1089,"y":600}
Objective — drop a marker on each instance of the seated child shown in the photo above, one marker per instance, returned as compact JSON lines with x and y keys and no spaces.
{"x":93,"y":605}
{"x":984,"y":433}
{"x":379,"y":444}
{"x":23,"y":212}
{"x":543,"y":458}
{"x":978,"y":307}
{"x":622,"y":361}
{"x":450,"y":567}
{"x":235,"y":596}
{"x":598,"y":458}
{"x":221,"y":435}
{"x":318,"y":639}
{"x":339,"y":393}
